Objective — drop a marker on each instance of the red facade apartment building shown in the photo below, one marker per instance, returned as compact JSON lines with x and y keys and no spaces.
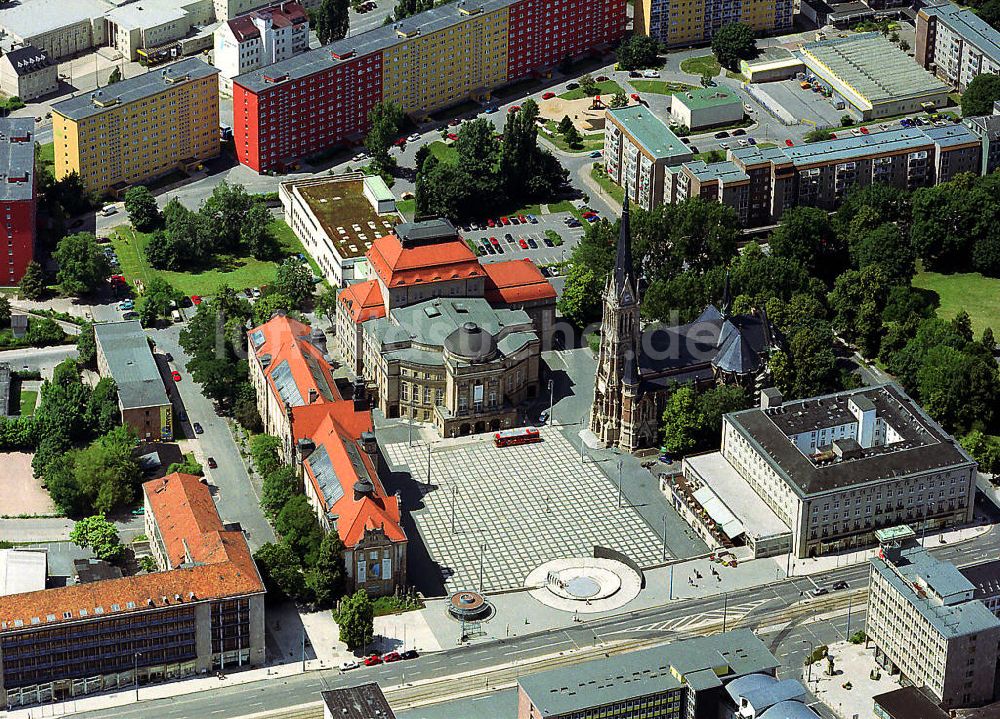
{"x":320,"y":99}
{"x":17,"y":197}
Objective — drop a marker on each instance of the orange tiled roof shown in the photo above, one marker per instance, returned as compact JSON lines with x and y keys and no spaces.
{"x":226,"y":567}
{"x":363,"y":300}
{"x":287,"y":340}
{"x":423,"y":264}
{"x":516,"y":281}
{"x":337,"y":432}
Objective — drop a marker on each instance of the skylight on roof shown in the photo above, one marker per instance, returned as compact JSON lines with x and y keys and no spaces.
{"x":257,"y":338}
{"x":322,"y":468}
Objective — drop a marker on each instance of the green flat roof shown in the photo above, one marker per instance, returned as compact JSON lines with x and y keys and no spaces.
{"x":378,"y":188}
{"x":701,"y":97}
{"x":649,"y":131}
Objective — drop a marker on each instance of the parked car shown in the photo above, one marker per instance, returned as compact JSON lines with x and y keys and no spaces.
{"x":196,"y":300}
{"x":504,"y":220}
{"x":739,"y":131}
{"x":509,"y":237}
{"x":650,"y":73}
{"x":491,"y":222}
{"x":108,"y":210}
{"x":168,"y":357}
{"x":601,"y":78}
{"x":595,"y":154}
{"x":532,"y":244}
{"x":212,"y":464}
{"x":547,"y":242}
{"x":410,"y":654}
{"x":548,"y":95}
{"x":523,"y":220}
{"x":489,"y":110}
{"x":416,"y":135}
{"x":789,"y":143}
{"x":820,"y":591}
{"x":130,"y":316}
{"x":635,"y":96}
{"x":751,"y":141}
{"x":198,"y":429}
{"x":126,"y":305}
{"x":864,"y":130}
{"x":256,"y":293}
{"x":634,"y":73}
{"x":391,"y":657}
{"x":724,"y":145}
{"x":572,"y":85}
{"x":373,"y":660}
{"x":721,"y":135}
{"x":349,"y":665}
{"x":838,"y":586}
{"x":523,"y":243}
{"x":138,"y":512}
{"x":175,"y":376}
{"x":532,"y":219}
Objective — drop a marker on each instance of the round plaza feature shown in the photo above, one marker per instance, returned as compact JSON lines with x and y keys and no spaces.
{"x":584,"y":584}
{"x":469,"y":606}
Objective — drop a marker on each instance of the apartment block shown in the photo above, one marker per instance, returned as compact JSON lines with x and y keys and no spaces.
{"x":17,"y":197}
{"x":761,"y":183}
{"x":927,"y":626}
{"x":456,"y":52}
{"x":139,"y":129}
{"x":694,"y":678}
{"x":28,"y":73}
{"x":835,"y":469}
{"x":259,"y":38}
{"x":680,"y":23}
{"x":202,"y":611}
{"x":955,"y":44}
{"x":638,"y":150}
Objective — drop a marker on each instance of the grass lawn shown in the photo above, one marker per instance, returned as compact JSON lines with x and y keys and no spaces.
{"x":977,"y":295}
{"x":616,"y":192}
{"x":443,"y":152}
{"x":608,"y":87}
{"x":407,"y":208}
{"x":591,"y":141}
{"x":660,"y":87}
{"x":766,"y":145}
{"x":47,"y":158}
{"x":711,"y":156}
{"x":28,"y":399}
{"x":237,"y":272}
{"x":704,"y":65}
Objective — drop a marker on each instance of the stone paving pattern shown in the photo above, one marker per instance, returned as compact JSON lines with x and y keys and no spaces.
{"x":563,"y":510}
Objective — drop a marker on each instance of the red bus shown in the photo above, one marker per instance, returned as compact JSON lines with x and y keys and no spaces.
{"x":522,"y":435}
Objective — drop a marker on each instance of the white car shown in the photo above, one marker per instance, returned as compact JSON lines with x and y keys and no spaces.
{"x":650,"y":73}
{"x":744,"y":143}
{"x":724,"y":145}
{"x":856,"y":132}
{"x":108,"y":210}
{"x":414,"y":137}
{"x":348,"y":665}
{"x":360,"y":157}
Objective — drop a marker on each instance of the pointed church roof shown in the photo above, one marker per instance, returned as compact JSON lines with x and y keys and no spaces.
{"x":737,"y":355}
{"x":727,"y":298}
{"x":624,"y":279}
{"x":630,"y":372}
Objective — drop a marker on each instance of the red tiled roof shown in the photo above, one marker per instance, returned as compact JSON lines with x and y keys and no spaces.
{"x":184,"y":511}
{"x":516,"y":281}
{"x":243,"y":28}
{"x":340,"y":427}
{"x":364,"y":300}
{"x":422,"y":264}
{"x":287,"y":339}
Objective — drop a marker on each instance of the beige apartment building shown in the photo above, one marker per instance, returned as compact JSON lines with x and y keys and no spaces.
{"x":927,"y":626}
{"x":139,"y":129}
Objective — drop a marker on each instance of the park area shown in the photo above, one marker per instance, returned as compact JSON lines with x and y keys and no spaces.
{"x":706,"y":65}
{"x":233,"y":271}
{"x":972,"y":292}
{"x":660,"y":87}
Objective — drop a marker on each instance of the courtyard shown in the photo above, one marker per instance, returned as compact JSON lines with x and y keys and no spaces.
{"x":515,"y":508}
{"x":21,"y":493}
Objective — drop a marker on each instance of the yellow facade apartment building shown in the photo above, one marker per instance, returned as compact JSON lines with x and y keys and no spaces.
{"x":139,"y":129}
{"x":682,"y":23}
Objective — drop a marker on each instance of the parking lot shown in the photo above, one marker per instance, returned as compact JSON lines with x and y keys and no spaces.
{"x":806,"y":106}
{"x":538,"y":248}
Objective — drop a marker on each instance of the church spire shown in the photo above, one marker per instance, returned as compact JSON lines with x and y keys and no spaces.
{"x":727,"y":299}
{"x":624,"y":279}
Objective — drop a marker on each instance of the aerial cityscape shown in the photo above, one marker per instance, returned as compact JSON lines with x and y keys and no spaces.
{"x":500,"y":359}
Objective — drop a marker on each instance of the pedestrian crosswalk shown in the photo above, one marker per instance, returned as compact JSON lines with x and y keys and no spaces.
{"x":732,"y":613}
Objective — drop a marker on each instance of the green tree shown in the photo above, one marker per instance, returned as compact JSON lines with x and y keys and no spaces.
{"x":565,"y":125}
{"x":589,"y":85}
{"x":327,"y":577}
{"x":102,"y":414}
{"x":733,"y":42}
{"x":115,"y":76}
{"x":43,"y":332}
{"x":100,"y":536}
{"x":245,"y":408}
{"x":264,"y":450}
{"x":82,"y":265}
{"x":299,"y":528}
{"x":384,"y":119}
{"x":592,"y":260}
{"x":189,"y":466}
{"x":156,"y":301}
{"x":638,"y":52}
{"x":326,"y":303}
{"x":33,"y":285}
{"x":812,"y":360}
{"x":957,"y":389}
{"x":266,"y":306}
{"x":279,"y":486}
{"x":985,"y":449}
{"x":86,"y":346}
{"x":620,"y":99}
{"x":573,"y":137}
{"x":713,"y":404}
{"x":4,"y":311}
{"x":215,"y":340}
{"x":682,"y":421}
{"x":105,"y":471}
{"x":990,"y":12}
{"x":820,"y":134}
{"x":846,"y":120}
{"x":356,"y":619}
{"x":293,"y":279}
{"x":256,"y":233}
{"x":225,"y":210}
{"x":805,"y":235}
{"x":980,"y":94}
{"x":141,"y":208}
{"x":281,"y":571}
{"x":332,"y":21}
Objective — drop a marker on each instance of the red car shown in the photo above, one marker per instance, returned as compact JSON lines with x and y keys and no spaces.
{"x":391,"y":657}
{"x":523,"y":243}
{"x":548,"y":95}
{"x":491,"y":222}
{"x":833,"y":135}
{"x":589,"y":213}
{"x":118,"y":279}
{"x":864,"y":130}
{"x":504,"y":220}
{"x":523,"y":219}
{"x":175,"y":376}
{"x":513,"y":108}
{"x":789,"y":143}
{"x":373,"y":660}
{"x":452,"y":136}
{"x":196,"y":300}
{"x":635,"y":96}
{"x":494,"y":241}
{"x":401,"y":142}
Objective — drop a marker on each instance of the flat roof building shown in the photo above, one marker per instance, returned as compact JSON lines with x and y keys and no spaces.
{"x":18,"y":198}
{"x":140,"y":128}
{"x":22,"y":571}
{"x":927,"y":625}
{"x":835,"y":469}
{"x":28,"y":73}
{"x":701,"y":108}
{"x":638,"y":149}
{"x":955,"y":43}
{"x":773,"y":63}
{"x":124,"y":354}
{"x":872,"y":76}
{"x":202,"y":611}
{"x":364,"y":701}
{"x":685,"y":678}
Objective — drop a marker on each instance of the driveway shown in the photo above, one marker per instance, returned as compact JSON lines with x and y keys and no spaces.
{"x":236,"y":496}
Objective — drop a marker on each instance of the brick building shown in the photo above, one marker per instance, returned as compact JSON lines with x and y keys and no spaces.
{"x":17,"y":196}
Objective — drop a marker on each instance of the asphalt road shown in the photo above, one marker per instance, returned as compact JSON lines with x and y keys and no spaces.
{"x":235,"y":701}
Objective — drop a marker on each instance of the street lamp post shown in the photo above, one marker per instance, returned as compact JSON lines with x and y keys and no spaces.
{"x":551,"y":401}
{"x":135,"y":672}
{"x":428,"y":465}
{"x":619,"y":483}
{"x":663,"y":552}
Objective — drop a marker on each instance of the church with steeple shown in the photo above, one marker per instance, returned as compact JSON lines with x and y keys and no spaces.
{"x":637,"y":367}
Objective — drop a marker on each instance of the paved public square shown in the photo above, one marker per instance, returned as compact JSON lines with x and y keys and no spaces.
{"x":527,"y":505}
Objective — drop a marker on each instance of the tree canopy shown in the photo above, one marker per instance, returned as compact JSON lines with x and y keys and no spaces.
{"x":82,"y":265}
{"x":332,"y":20}
{"x":100,"y":536}
{"x":734,"y":42}
{"x":638,"y":52}
{"x":980,"y":94}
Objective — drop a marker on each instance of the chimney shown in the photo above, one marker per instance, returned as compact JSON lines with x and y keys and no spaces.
{"x":369,"y":443}
{"x":363,"y":488}
{"x":313,"y":395}
{"x":770,"y":397}
{"x":360,"y":395}
{"x":305,"y":447}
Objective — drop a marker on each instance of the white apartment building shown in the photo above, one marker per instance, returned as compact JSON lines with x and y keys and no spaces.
{"x":262,"y":37}
{"x":955,"y":43}
{"x":837,"y":468}
{"x":638,"y":150}
{"x":927,"y":625}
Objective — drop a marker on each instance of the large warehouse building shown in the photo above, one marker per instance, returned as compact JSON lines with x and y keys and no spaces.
{"x":872,"y":76}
